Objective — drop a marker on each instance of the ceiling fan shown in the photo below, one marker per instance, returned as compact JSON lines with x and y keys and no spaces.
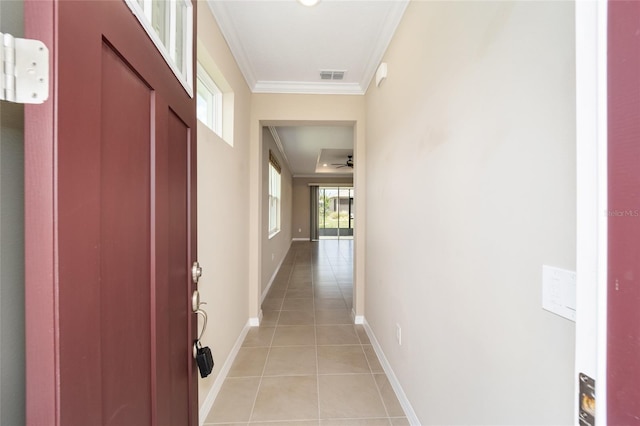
{"x":349,"y":163}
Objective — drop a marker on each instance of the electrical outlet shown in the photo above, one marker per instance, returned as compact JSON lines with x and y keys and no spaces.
{"x":299,"y":229}
{"x":399,"y":334}
{"x":273,"y":256}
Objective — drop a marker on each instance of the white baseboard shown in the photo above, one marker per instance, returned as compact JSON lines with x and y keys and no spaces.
{"x":255,"y":322}
{"x":357,"y":319}
{"x":402,"y":397}
{"x":300,"y":239}
{"x":207,"y":404}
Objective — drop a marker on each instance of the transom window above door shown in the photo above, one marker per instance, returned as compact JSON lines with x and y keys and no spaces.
{"x":169,"y":24}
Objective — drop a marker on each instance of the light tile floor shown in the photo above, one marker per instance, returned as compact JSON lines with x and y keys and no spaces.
{"x":307,"y":364}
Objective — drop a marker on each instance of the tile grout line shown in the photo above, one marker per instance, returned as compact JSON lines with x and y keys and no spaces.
{"x":315,"y":332}
{"x":264,"y":367}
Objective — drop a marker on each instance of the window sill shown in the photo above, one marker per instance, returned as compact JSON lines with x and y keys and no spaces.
{"x":273,"y":234}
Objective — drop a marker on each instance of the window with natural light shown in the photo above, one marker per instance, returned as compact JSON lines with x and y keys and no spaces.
{"x":169,"y":24}
{"x":209,"y":101}
{"x":274,"y":196}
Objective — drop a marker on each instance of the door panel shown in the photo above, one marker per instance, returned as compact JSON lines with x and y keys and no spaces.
{"x":623,"y":311}
{"x":125,"y":235}
{"x":172,"y":153}
{"x":180,"y":283}
{"x":110,"y":232}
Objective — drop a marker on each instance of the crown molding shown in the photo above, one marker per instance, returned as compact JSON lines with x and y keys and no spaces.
{"x":308,"y":88}
{"x":276,"y":138}
{"x":323,"y":175}
{"x":384,"y":38}
{"x":229,"y":31}
{"x":230,"y":34}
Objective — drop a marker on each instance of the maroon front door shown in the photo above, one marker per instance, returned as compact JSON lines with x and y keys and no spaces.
{"x":623,"y":335}
{"x":110,"y":225}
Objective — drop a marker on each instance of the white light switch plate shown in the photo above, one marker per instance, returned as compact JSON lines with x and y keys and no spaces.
{"x":559,"y":291}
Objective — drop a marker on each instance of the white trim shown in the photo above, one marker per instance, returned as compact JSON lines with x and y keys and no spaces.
{"x":276,"y":138}
{"x":591,"y":198}
{"x":144,"y":16}
{"x":357,"y":319}
{"x":385,"y":36}
{"x":325,"y":176}
{"x":308,"y":88}
{"x":207,"y":404}
{"x":602,"y":190}
{"x":402,"y":397}
{"x":274,"y":233}
{"x":219,"y":12}
{"x":214,"y":119}
{"x":344,"y":185}
{"x":300,"y":239}
{"x":255,"y":321}
{"x":230,"y":33}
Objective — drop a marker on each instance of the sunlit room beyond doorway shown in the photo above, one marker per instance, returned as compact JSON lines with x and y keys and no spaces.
{"x":335,"y":215}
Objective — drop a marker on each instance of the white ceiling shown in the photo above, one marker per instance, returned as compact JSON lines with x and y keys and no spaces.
{"x":308,"y":148}
{"x":281,"y":46}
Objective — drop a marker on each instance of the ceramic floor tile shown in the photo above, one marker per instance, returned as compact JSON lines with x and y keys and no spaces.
{"x":294,"y":336}
{"x":296,"y":318}
{"x":274,"y":304}
{"x":276,"y":294}
{"x":286,"y":398}
{"x":307,"y":329}
{"x":362,"y":335}
{"x":249,"y":362}
{"x":291,"y":361}
{"x":269,"y":318}
{"x":349,"y":396}
{"x":372,"y":357}
{"x":295,"y":285}
{"x":355,"y":422}
{"x":394,"y":409}
{"x":259,"y":336}
{"x":234,"y":401}
{"x":349,"y":302}
{"x":327,"y":293}
{"x":297,"y":293}
{"x":290,"y":423}
{"x":299,"y":277}
{"x":326,"y":282}
{"x":303,"y":304}
{"x":280,"y":283}
{"x":333,"y":316}
{"x":333,"y":303}
{"x":342,"y":360}
{"x":336,"y":335}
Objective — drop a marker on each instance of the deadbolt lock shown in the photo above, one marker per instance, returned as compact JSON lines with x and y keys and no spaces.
{"x":196,"y":272}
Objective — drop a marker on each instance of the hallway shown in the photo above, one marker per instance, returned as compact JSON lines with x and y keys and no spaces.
{"x":307,"y":364}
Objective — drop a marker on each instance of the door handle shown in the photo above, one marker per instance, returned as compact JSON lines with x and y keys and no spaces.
{"x":204,"y":323}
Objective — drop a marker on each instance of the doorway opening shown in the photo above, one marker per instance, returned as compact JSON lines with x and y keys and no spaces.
{"x":335,"y":212}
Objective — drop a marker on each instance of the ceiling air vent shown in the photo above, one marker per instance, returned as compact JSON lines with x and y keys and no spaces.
{"x":331,"y":75}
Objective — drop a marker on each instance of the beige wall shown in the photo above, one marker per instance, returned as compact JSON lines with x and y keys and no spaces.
{"x":282,"y":109}
{"x":301,"y":219}
{"x":223,"y":206}
{"x":472,"y":140}
{"x":274,"y":249}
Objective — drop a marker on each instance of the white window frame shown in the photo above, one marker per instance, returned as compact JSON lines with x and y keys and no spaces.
{"x":142,"y":9}
{"x":213,"y":98}
{"x":275,"y":188}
